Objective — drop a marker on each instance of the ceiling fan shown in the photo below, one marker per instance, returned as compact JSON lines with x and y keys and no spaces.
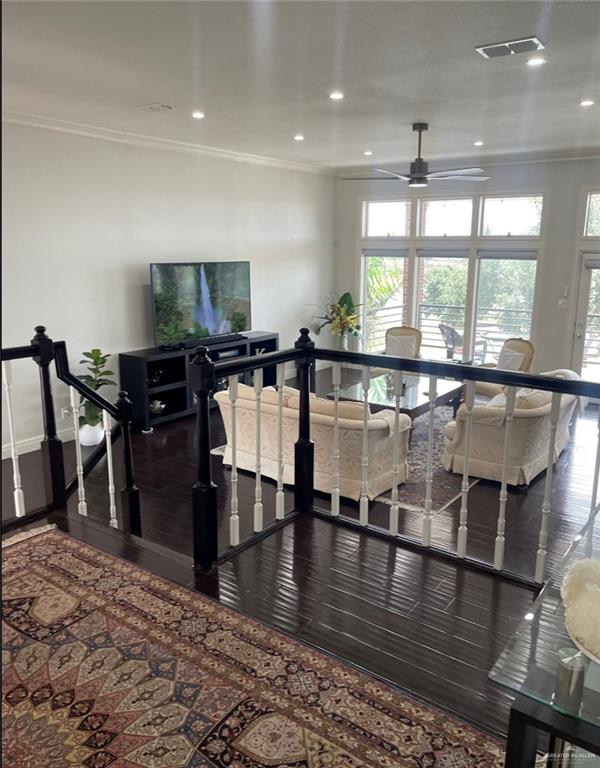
{"x":419,"y":175}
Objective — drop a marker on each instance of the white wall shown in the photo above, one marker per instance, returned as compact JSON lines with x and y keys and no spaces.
{"x":561,"y":182}
{"x":83,"y":218}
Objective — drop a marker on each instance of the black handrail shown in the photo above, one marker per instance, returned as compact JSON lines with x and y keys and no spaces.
{"x":19,"y":353}
{"x":437,"y":368}
{"x":64,"y":374}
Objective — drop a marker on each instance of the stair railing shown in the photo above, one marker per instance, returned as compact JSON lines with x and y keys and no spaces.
{"x":44,"y":351}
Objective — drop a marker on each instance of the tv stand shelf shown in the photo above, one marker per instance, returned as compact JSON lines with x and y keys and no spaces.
{"x":154,"y":374}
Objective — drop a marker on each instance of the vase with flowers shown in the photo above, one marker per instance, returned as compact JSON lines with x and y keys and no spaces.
{"x":342,"y":317}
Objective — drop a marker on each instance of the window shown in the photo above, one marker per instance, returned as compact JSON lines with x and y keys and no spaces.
{"x":512,"y":216}
{"x":445,"y":218}
{"x":504,"y":300}
{"x":385,"y":295}
{"x":442,"y":294}
{"x":592,"y":215}
{"x":387,"y":219}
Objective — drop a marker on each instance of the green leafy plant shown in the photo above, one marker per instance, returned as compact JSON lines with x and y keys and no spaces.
{"x":341,"y":315}
{"x":95,"y":379}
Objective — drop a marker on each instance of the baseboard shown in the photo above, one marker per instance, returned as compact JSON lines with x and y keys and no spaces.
{"x":30,"y":444}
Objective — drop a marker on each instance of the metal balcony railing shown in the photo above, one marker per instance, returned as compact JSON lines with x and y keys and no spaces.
{"x":493,"y":326}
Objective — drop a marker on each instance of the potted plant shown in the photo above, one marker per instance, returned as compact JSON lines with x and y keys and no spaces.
{"x":90,"y":423}
{"x":342,"y":317}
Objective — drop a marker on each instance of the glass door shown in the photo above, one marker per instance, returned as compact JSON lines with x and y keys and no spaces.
{"x":586,"y":345}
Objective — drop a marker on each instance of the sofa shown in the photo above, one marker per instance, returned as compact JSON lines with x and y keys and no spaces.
{"x":350,"y":421}
{"x":530,"y":435}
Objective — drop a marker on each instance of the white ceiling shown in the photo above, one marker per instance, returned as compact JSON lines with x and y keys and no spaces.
{"x":262,"y":71}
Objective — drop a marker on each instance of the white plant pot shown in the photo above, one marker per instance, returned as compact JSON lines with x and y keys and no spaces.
{"x":89,"y":435}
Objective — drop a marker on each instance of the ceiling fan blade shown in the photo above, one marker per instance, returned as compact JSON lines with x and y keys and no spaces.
{"x":373,"y":178}
{"x":392,"y":173}
{"x":459,"y":178}
{"x":455,"y":172}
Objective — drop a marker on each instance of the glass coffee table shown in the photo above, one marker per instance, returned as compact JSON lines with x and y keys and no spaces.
{"x":557,"y":686}
{"x":415,"y":397}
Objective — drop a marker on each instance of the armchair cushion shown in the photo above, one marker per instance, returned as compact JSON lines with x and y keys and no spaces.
{"x":401,"y":346}
{"x":509,"y":359}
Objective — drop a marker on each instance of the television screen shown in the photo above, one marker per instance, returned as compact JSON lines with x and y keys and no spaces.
{"x":196,"y":300}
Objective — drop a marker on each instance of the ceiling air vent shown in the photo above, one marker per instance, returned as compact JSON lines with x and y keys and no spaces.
{"x":509,"y":48}
{"x":156,"y":106}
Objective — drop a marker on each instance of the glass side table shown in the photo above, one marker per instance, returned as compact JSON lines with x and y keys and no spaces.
{"x":557,"y":686}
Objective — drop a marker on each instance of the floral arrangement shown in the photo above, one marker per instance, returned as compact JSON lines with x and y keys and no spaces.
{"x":341,"y":315}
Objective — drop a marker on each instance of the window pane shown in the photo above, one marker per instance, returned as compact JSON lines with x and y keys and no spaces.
{"x":446,"y":218}
{"x":516,"y":216}
{"x":442,"y":297}
{"x":504,"y":303}
{"x":385,"y":298}
{"x":388,"y":219}
{"x":592,"y":218}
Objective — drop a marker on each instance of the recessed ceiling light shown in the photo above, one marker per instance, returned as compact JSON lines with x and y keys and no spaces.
{"x":367,"y":152}
{"x":587,"y":103}
{"x":197,"y":115}
{"x":478,"y":143}
{"x":536,"y":61}
{"x":298,"y":137}
{"x":336,"y":95}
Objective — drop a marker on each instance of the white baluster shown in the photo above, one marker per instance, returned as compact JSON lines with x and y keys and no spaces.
{"x":109,"y":464}
{"x":397,"y":378}
{"x":336,"y":377}
{"x":279,"y":494}
{"x":461,"y":544}
{"x":540,"y":561}
{"x":81,"y":504}
{"x":364,"y":493}
{"x":258,"y":505}
{"x":596,"y":470}
{"x":500,"y":539}
{"x":429,"y":467}
{"x":234,"y":520}
{"x":18,"y":497}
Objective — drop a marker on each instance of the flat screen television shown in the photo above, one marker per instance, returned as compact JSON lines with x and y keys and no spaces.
{"x":195,"y":300}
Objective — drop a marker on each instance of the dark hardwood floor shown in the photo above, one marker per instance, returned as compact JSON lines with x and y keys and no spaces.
{"x":422,"y":623}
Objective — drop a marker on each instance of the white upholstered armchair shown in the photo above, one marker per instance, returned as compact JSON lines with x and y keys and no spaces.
{"x":515,"y":355}
{"x":530,"y":435}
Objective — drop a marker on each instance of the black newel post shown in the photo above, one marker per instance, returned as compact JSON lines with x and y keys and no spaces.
{"x":130,"y":494}
{"x":304,"y":450}
{"x":201,"y":375}
{"x":51,"y":446}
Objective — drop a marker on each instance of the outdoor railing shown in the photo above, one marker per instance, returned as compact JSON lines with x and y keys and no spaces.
{"x":493,"y":326}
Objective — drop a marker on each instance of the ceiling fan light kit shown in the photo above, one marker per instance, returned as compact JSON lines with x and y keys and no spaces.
{"x":419,"y":175}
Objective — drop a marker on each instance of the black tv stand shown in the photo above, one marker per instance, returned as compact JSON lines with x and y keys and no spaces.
{"x":159,"y":375}
{"x":223,"y":338}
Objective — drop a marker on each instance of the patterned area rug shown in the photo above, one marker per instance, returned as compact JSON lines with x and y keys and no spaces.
{"x":107,"y":665}
{"x":446,"y":485}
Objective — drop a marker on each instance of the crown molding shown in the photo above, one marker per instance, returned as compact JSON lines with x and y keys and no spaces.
{"x":154,"y":142}
{"x":490,"y":161}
